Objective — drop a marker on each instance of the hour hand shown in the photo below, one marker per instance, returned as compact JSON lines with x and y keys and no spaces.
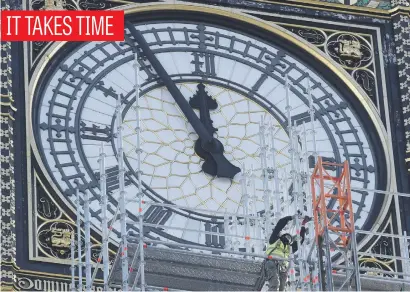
{"x":211,"y":151}
{"x":204,"y":103}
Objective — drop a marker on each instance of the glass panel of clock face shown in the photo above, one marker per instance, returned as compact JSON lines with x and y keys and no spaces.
{"x":245,"y":76}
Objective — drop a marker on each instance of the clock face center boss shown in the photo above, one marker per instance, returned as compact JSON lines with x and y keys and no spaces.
{"x":203,"y":91}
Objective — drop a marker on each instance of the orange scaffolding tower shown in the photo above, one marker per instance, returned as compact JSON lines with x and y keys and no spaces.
{"x":334,"y":224}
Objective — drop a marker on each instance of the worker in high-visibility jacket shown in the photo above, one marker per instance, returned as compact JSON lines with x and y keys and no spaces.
{"x":280,"y":243}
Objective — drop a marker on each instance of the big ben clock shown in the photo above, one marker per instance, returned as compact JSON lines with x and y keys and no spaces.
{"x":205,"y":83}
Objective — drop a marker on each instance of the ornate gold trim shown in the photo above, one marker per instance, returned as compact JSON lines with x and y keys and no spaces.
{"x":316,"y":4}
{"x":13,"y":264}
{"x":7,"y":115}
{"x":262,"y":24}
{"x":9,"y":104}
{"x":50,"y":275}
{"x":33,"y":240}
{"x":5,"y":287}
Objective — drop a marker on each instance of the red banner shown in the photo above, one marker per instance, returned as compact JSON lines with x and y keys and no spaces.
{"x":24,"y":25}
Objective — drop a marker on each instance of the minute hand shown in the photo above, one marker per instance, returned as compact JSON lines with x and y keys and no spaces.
{"x":172,"y":88}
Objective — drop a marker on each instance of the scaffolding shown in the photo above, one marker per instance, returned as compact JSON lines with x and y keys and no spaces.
{"x":324,"y":218}
{"x":313,"y":267}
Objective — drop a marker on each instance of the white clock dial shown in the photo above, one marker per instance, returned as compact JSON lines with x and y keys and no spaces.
{"x":244,"y":75}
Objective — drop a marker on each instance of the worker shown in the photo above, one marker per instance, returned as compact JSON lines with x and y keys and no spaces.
{"x":280,"y":242}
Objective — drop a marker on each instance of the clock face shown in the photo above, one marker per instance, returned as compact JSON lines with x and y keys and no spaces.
{"x":244,"y":78}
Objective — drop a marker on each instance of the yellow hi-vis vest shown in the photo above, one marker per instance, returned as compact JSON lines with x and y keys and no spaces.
{"x":279,"y":249}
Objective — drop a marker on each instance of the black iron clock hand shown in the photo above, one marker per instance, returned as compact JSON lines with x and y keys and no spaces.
{"x":210,"y":144}
{"x":172,"y":88}
{"x":202,"y":101}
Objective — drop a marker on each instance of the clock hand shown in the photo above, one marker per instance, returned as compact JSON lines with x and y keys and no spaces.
{"x":202,"y":101}
{"x":172,"y":88}
{"x":210,"y":144}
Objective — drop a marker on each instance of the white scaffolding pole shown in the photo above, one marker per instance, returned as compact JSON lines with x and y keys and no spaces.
{"x":275,"y":173}
{"x":254,"y":222}
{"x":104,"y":219}
{"x":312,"y":119}
{"x":405,"y":255}
{"x":236,"y":242}
{"x":87,"y":242}
{"x":305,"y":167}
{"x":72,"y":246}
{"x":138,"y":151}
{"x":123,"y":210}
{"x":80,"y":264}
{"x":245,"y":204}
{"x":227,"y":229}
{"x":291,"y":148}
{"x":309,"y":236}
{"x":286,"y":197}
{"x":265,"y":178}
{"x":303,"y":270}
{"x":311,"y":244}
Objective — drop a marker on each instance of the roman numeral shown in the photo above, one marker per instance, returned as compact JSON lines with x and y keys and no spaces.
{"x":95,"y":132}
{"x":312,"y":162}
{"x":201,"y":37}
{"x":82,"y":187}
{"x":112,"y":179}
{"x":270,"y":67}
{"x":204,"y":60}
{"x":214,"y":240}
{"x":259,"y":82}
{"x":333,"y":108}
{"x":69,"y":96}
{"x":156,"y":215}
{"x":301,"y":118}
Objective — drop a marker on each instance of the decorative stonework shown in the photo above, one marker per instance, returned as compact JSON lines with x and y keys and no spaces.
{"x":70,"y":4}
{"x":350,"y":51}
{"x":402,"y":41}
{"x":353,"y":52}
{"x":54,"y":238}
{"x":400,"y":3}
{"x":7,"y":187}
{"x":380,"y":4}
{"x":383,"y":246}
{"x":52,"y":228}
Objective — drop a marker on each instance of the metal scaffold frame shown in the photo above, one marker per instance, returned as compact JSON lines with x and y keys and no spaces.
{"x":345,"y":241}
{"x":306,"y":198}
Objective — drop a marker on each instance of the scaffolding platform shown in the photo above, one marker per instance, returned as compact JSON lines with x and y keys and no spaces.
{"x":191,"y":271}
{"x":372,"y":284}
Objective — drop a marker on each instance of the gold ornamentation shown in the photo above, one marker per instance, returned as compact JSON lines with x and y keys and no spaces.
{"x":54,"y":5}
{"x":377,"y":256}
{"x":7,"y":182}
{"x":352,"y":51}
{"x":350,"y":48}
{"x":61,"y":237}
{"x":51,"y":230}
{"x":54,"y":238}
{"x":346,"y":51}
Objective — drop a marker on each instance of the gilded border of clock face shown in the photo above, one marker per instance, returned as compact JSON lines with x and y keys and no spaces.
{"x":374,"y":117}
